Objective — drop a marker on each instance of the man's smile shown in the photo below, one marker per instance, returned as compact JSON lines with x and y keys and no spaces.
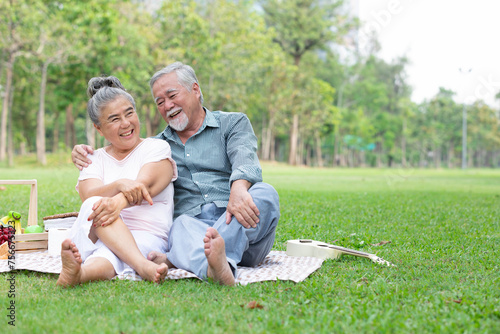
{"x":174,"y":113}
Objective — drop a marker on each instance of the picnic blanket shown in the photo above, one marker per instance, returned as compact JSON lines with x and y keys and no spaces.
{"x":276,"y":266}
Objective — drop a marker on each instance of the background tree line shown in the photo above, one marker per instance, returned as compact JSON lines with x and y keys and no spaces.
{"x":292,"y":66}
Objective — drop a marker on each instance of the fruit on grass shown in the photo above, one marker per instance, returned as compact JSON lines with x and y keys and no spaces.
{"x":6,"y":234}
{"x":13,"y":219}
{"x":33,"y":229}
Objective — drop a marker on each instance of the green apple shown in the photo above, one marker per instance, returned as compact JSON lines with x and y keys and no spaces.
{"x":33,"y":229}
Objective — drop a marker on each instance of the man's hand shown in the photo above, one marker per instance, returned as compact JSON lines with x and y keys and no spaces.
{"x":135,"y":192}
{"x":79,"y":156}
{"x":107,"y":210}
{"x":241,"y":205}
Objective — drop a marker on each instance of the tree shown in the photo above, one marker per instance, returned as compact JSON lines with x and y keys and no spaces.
{"x":273,"y":96}
{"x":321,"y":113}
{"x":483,"y":135}
{"x":54,"y":47}
{"x":302,"y":26}
{"x":17,"y":22}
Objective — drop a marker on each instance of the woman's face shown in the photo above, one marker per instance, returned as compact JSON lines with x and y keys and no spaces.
{"x":119,"y":124}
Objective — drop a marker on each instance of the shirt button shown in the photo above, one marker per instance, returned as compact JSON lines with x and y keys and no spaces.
{"x":187,"y":154}
{"x":206,"y":196}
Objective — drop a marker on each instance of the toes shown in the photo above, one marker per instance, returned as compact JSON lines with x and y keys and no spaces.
{"x":152,"y":256}
{"x":161,"y":273}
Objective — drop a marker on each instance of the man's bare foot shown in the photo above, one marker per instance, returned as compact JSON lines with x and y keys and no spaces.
{"x":157,"y":257}
{"x":71,"y":265}
{"x":218,"y":267}
{"x":160,"y":258}
{"x":153,"y":272}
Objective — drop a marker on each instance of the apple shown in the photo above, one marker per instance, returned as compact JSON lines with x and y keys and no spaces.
{"x":33,"y":229}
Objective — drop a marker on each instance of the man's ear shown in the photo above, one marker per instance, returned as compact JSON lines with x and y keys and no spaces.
{"x":196,"y":89}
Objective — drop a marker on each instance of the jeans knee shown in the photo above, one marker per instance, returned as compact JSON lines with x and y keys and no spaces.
{"x":265,"y":192}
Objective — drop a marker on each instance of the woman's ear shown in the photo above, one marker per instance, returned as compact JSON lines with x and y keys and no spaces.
{"x":98,"y":128}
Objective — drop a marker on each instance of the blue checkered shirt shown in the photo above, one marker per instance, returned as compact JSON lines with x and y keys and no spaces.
{"x":222,"y":151}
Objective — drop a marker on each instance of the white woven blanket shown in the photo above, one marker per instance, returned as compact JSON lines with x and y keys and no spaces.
{"x":276,"y":266}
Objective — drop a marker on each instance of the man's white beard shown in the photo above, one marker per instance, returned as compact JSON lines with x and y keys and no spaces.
{"x":180,"y":122}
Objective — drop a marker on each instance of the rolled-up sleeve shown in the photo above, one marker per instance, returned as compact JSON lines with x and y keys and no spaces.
{"x":242,"y":151}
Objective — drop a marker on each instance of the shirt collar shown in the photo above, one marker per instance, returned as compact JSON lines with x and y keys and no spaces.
{"x":209,"y":120}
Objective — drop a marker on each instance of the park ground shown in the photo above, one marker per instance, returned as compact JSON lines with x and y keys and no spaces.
{"x":441,"y":227}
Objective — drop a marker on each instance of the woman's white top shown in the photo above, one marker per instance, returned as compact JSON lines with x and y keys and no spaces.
{"x":157,"y":218}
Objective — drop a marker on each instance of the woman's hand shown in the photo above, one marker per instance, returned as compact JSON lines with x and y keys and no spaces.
{"x":107,"y":210}
{"x":135,"y":192}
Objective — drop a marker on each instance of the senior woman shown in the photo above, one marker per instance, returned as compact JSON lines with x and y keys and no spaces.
{"x":127,"y":194}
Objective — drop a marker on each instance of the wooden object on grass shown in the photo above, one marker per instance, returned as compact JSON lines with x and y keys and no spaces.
{"x":322,"y":250}
{"x":31,"y":242}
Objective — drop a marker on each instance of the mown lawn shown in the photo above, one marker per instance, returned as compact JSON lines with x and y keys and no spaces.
{"x":444,"y":233}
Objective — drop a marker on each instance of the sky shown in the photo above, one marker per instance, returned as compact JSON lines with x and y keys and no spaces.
{"x":440,"y":37}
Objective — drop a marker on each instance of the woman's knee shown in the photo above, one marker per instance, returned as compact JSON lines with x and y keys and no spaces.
{"x":88,"y":204}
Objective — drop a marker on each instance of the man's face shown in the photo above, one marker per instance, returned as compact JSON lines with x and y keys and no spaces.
{"x":178,"y":106}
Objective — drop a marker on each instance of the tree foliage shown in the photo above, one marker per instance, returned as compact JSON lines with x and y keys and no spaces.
{"x":283,"y":63}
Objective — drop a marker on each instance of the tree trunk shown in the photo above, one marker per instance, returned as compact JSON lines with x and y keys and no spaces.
{"x":379,"y":154}
{"x":336,"y":145}
{"x":274,"y":144}
{"x":147,"y":118}
{"x":5,"y":108}
{"x":152,"y":124}
{"x":403,"y":144}
{"x":22,"y":148}
{"x":437,"y":158}
{"x":55,"y":143}
{"x":484,"y":157}
{"x":70,"y":135}
{"x":336,"y":148}
{"x":294,"y":134}
{"x":265,"y":147}
{"x":362,"y":159}
{"x":268,"y":140}
{"x":155,"y":121}
{"x":90,"y":131}
{"x":434,"y":155}
{"x":40,"y":127}
{"x":308,"y":154}
{"x":300,"y":153}
{"x":451,"y":156}
{"x":423,"y":155}
{"x":319,"y":153}
{"x":10,"y":145}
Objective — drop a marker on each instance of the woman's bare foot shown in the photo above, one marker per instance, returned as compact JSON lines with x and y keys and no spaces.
{"x":153,"y":272}
{"x":71,"y":265}
{"x":218,"y":267}
{"x":161,"y":273}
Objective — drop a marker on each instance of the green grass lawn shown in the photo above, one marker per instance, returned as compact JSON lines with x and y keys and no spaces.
{"x":444,"y":233}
